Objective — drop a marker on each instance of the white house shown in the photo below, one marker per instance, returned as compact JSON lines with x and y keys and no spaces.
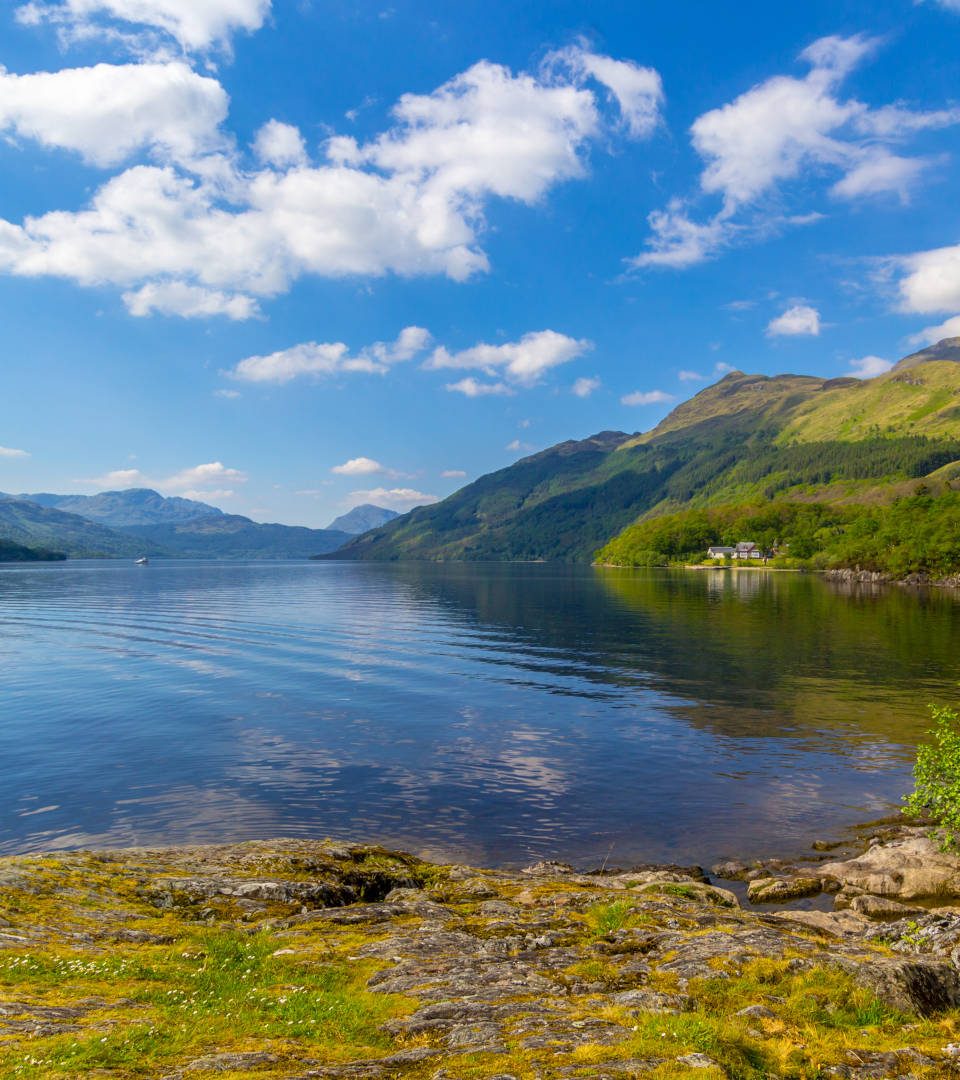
{"x":718,"y":552}
{"x":746,"y":549}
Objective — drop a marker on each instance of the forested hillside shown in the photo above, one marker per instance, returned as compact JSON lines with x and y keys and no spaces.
{"x":744,"y":442}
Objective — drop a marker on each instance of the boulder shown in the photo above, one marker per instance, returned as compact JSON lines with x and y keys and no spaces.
{"x":882,"y":908}
{"x":905,"y":869}
{"x":915,"y":985}
{"x":780,"y":890}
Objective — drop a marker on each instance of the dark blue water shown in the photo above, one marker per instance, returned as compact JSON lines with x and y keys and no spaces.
{"x":483,"y":712}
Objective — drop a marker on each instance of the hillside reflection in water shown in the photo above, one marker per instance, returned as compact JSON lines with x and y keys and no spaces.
{"x":486,"y":712}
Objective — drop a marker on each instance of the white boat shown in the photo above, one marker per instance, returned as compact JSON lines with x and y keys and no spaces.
{"x":142,"y":561}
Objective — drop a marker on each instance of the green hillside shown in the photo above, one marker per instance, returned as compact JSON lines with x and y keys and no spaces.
{"x":915,"y":534}
{"x":32,"y":525}
{"x":745,"y":441}
{"x":10,"y":552}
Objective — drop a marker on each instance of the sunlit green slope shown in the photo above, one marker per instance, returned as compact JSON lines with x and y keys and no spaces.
{"x":748,"y":439}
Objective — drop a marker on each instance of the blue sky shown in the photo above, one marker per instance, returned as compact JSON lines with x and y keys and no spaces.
{"x":292,"y":256}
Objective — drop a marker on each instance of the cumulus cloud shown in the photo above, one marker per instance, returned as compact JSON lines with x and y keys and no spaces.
{"x":188,"y":301}
{"x":646,"y":397}
{"x":929,"y":280}
{"x":195,"y":25}
{"x":795,"y":321}
{"x":584,"y":387}
{"x":280,"y":144}
{"x":332,"y":358}
{"x":9,"y":452}
{"x":677,"y":241}
{"x":108,"y":112}
{"x":638,"y":91}
{"x":358,"y":466}
{"x":780,"y":130}
{"x":523,"y":362}
{"x":930,"y":335}
{"x":472,"y":388}
{"x":411,"y":201}
{"x":453,"y":474}
{"x":868,"y":367}
{"x":401,"y":499}
{"x":198,"y":481}
{"x":690,"y":376}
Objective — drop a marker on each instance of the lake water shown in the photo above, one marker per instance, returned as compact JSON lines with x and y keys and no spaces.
{"x":491,"y":713}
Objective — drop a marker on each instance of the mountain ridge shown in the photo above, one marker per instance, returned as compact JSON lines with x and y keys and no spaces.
{"x":362,"y":519}
{"x":129,"y":506}
{"x":745,"y":439}
{"x":212,"y":534}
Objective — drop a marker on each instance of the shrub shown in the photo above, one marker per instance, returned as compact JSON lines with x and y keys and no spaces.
{"x":936,"y":776}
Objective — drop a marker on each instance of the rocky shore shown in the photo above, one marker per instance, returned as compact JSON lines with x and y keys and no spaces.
{"x":876,"y":577}
{"x":295,"y":959}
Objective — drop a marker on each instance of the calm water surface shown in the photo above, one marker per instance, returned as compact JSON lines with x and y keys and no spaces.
{"x":483,"y":712}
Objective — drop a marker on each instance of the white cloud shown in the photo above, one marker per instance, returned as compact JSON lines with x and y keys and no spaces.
{"x":795,"y":321}
{"x":783,"y":129}
{"x":203,"y":476}
{"x":402,"y":499}
{"x":584,"y":387}
{"x":690,"y":376}
{"x":646,"y":397}
{"x":280,"y":144}
{"x":108,"y":112}
{"x":522,"y":362}
{"x":189,"y":302}
{"x":410,"y":202}
{"x":518,"y":447}
{"x":868,"y":367}
{"x":193,"y":24}
{"x":230,"y":395}
{"x":358,"y":466}
{"x":637,"y":90}
{"x":331,"y":358}
{"x":879,"y":172}
{"x":9,"y":452}
{"x":678,"y":241}
{"x":200,"y":481}
{"x":930,"y":281}
{"x":471,"y":387}
{"x":453,"y":474}
{"x":950,"y":5}
{"x":930,"y":335}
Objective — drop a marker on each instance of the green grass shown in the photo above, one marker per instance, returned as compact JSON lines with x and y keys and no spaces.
{"x":218,"y":990}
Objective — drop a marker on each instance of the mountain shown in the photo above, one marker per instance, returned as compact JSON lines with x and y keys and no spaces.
{"x":230,"y":536}
{"x":214,"y":535}
{"x":947,"y":349}
{"x":748,"y":439}
{"x":32,"y":525}
{"x":134,"y":506}
{"x":363,"y":518}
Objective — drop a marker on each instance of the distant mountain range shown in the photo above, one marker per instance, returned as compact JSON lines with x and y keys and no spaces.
{"x":143,"y":522}
{"x":118,"y":509}
{"x":748,"y":440}
{"x":363,"y":518}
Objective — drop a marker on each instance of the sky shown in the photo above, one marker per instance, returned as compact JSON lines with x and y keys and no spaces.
{"x":289,"y":256}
